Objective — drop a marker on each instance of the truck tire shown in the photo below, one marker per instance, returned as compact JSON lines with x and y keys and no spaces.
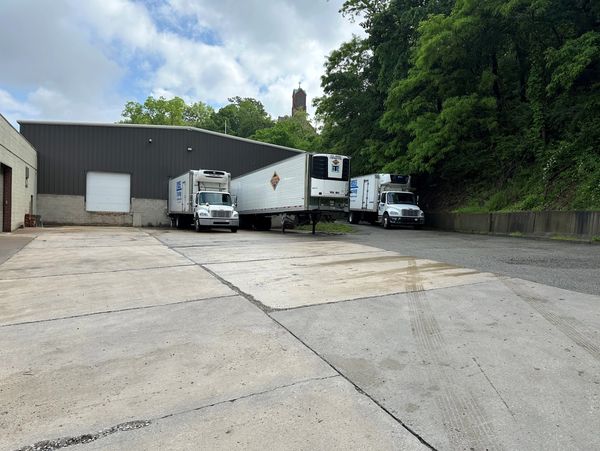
{"x":197,"y":227}
{"x":178,"y":222}
{"x":385,"y":221}
{"x":234,"y":229}
{"x":354,"y":218}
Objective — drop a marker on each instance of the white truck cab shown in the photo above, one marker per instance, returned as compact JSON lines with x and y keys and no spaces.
{"x":385,"y":199}
{"x":202,"y":198}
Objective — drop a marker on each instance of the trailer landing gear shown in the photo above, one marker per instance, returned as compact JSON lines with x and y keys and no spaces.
{"x":315,"y":217}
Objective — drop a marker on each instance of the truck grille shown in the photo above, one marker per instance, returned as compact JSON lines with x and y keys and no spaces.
{"x":220,"y":213}
{"x":410,"y":212}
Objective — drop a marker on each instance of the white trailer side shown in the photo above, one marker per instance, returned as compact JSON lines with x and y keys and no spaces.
{"x":277,"y":188}
{"x":180,"y":193}
{"x":302,"y":189}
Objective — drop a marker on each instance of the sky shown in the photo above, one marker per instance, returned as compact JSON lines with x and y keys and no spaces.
{"x":82,"y":60}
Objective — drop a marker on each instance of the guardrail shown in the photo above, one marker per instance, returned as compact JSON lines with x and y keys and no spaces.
{"x":578,"y":225}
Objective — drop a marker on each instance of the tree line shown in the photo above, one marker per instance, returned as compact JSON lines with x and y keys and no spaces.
{"x":242,"y":117}
{"x":494,"y":103}
{"x":490,"y":104}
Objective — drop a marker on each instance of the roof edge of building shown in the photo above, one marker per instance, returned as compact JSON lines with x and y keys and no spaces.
{"x":174,"y":127}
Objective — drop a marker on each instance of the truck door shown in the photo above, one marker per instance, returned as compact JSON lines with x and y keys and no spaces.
{"x":183,"y":196}
{"x":365,"y":195}
{"x":381,"y":206}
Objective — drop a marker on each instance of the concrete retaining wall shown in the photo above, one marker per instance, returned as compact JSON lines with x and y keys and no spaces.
{"x":583,"y":225}
{"x":63,"y":209}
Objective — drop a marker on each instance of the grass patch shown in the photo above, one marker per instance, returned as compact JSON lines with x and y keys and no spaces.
{"x":329,"y":227}
{"x":596,"y":239}
{"x":564,"y":238}
{"x":517,"y":234}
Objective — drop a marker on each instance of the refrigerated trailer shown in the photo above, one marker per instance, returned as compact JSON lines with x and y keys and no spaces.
{"x":386,"y":199}
{"x":202,"y":198}
{"x":303,"y":189}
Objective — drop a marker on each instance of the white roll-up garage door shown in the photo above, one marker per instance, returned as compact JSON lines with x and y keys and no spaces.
{"x":108,"y":191}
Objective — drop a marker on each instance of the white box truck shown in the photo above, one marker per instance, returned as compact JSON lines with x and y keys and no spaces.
{"x":302,"y":189}
{"x":201,"y":197}
{"x":386,"y":199}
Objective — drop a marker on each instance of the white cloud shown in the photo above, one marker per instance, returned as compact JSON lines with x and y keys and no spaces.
{"x":78,"y":60}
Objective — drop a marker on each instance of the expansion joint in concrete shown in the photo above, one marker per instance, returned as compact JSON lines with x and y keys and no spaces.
{"x":250,"y":395}
{"x":63,"y":442}
{"x":268,"y":310}
{"x":128,"y":309}
{"x":95,"y":272}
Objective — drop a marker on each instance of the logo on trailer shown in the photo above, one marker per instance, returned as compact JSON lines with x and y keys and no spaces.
{"x":275,"y":180}
{"x":178,"y":190}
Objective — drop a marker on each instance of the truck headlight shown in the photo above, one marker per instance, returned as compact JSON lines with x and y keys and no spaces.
{"x":394,"y":213}
{"x":234,"y":214}
{"x":421,"y":214}
{"x":203,"y":213}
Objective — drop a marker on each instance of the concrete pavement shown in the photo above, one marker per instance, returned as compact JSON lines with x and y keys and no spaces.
{"x":164,"y":339}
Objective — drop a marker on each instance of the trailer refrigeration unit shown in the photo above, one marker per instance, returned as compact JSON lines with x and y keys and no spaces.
{"x":386,"y":199}
{"x":303,"y":189}
{"x":202,"y":198}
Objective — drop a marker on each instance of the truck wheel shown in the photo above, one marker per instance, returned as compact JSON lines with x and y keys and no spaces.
{"x":177,"y":222}
{"x":386,"y":221}
{"x":234,"y":229}
{"x":197,"y":225}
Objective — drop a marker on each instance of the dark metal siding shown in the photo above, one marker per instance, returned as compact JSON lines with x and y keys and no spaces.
{"x":67,"y":151}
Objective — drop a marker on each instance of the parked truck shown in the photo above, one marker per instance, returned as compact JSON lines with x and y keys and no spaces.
{"x":303,"y":189}
{"x":385,"y":199}
{"x":201,"y":197}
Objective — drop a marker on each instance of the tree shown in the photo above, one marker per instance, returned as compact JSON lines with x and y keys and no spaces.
{"x":156,"y":111}
{"x":242,"y":117}
{"x":295,"y":132}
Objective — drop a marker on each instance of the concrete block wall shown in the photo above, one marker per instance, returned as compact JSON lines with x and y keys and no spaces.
{"x":583,"y":225}
{"x":64,"y":209}
{"x":18,"y":154}
{"x":149,"y":212}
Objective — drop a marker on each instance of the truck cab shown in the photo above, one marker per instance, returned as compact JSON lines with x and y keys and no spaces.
{"x":214,"y":209}
{"x":201,"y":197}
{"x":399,"y":208}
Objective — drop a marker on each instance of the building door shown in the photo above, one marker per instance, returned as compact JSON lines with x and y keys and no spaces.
{"x":6,"y":197}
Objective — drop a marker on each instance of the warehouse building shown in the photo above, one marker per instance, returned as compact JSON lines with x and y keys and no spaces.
{"x":18,"y":178}
{"x":117,"y":174}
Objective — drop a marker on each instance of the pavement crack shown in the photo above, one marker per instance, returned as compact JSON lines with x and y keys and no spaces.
{"x":127,"y":309}
{"x":63,"y":442}
{"x":290,"y":257}
{"x":267,"y":311}
{"x":228,"y":284}
{"x":93,"y":272}
{"x":249,"y":395}
{"x":357,"y":387}
{"x":495,"y":389}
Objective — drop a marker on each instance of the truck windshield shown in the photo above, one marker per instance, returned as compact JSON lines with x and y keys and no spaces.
{"x":215,"y":198}
{"x":401,"y":198}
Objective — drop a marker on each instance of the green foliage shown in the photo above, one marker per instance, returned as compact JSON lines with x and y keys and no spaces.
{"x":242,"y":117}
{"x":295,"y":132}
{"x":503,"y":95}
